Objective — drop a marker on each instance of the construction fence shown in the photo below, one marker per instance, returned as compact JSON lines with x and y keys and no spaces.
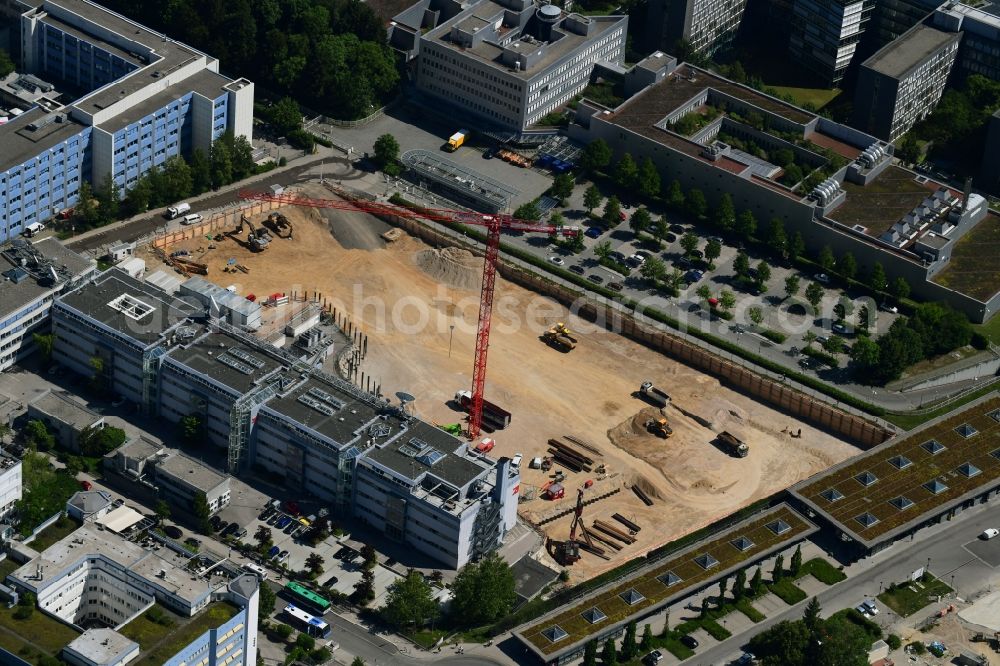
{"x":863,"y":432}
{"x":220,"y":221}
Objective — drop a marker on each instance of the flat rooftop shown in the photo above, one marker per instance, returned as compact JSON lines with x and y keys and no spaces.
{"x":88,"y":541}
{"x":339,"y":420}
{"x":974,"y":269}
{"x":670,"y":578}
{"x":225,"y":359}
{"x":21,"y":144}
{"x":190,"y":471}
{"x":489,"y":53}
{"x":206,"y":82}
{"x":884,"y":201}
{"x":102,"y":646}
{"x":60,"y":405}
{"x":911,"y":478}
{"x":15,"y":295}
{"x":128,"y":306}
{"x":910,"y":50}
{"x":90,"y":38}
{"x":425,"y":449}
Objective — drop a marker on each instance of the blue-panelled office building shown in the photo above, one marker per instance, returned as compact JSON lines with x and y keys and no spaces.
{"x":139,"y":97}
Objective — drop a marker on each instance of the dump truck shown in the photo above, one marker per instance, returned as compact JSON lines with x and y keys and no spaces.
{"x":659,"y":428}
{"x":733,"y":444}
{"x":559,"y":337}
{"x":659,"y":398}
{"x":456,"y":140}
{"x":494,"y":417}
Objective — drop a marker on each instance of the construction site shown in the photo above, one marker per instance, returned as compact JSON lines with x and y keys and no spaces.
{"x":653,"y":461}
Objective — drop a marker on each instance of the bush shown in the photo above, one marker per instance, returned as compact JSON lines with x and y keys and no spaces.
{"x":774,"y":336}
{"x":979,"y":341}
{"x":715,"y":630}
{"x":788,"y":592}
{"x":823,"y":571}
{"x":893,"y":641}
{"x":821,"y":356}
{"x":918,"y":647}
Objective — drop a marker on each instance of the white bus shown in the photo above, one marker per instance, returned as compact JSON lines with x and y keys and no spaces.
{"x":256,"y":570}
{"x":310,"y":624}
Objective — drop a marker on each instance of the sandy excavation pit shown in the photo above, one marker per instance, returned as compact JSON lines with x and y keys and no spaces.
{"x":407,"y":296}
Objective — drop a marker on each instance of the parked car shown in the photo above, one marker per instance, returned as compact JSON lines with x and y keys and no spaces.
{"x":697,"y":254}
{"x":86,"y":485}
{"x":822,"y":278}
{"x":558,"y":261}
{"x":653,"y":658}
{"x":240,"y":533}
{"x":283,"y":522}
{"x":622,"y":216}
{"x":693,"y":276}
{"x":617,"y":256}
{"x":670,"y":238}
{"x":331,"y":581}
{"x":636,"y":260}
{"x":616,"y":286}
{"x":273,"y":551}
{"x":593,"y":232}
{"x":231,"y":528}
{"x":684,"y":262}
{"x":579,"y":270}
{"x":290,"y":527}
{"x":273,"y":520}
{"x":822,"y":339}
{"x":596,"y":279}
{"x":645,"y":254}
{"x":867,"y":607}
{"x":689,"y":641}
{"x":282,"y":556}
{"x":676,"y":228}
{"x":191,"y":541}
{"x":989,"y":533}
{"x":745,"y":659}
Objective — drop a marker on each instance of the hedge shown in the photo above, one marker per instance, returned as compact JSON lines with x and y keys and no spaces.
{"x":822,"y":356}
{"x":787,"y":591}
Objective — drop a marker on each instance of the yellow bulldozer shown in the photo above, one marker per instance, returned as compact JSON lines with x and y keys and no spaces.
{"x":560,"y":337}
{"x":659,"y":427}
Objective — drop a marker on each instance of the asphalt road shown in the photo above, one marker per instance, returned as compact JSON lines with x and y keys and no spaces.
{"x":941,"y":546}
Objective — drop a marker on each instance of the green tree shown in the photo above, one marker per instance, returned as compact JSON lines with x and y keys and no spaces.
{"x":763,"y":276}
{"x":784,"y":644}
{"x":590,"y":653}
{"x":595,"y":156}
{"x":37,"y":436}
{"x":674,"y":195}
{"x":409,"y":602}
{"x":724,"y":215}
{"x":242,"y":156}
{"x":648,"y":180}
{"x":809,"y":337}
{"x":603,"y":249}
{"x":778,"y":572}
{"x":792,"y":284}
{"x":713,"y":249}
{"x":44,"y":342}
{"x":220,"y":160}
{"x":201,"y":172}
{"x":797,"y":246}
{"x":792,"y":176}
{"x":285,"y":116}
{"x":192,"y":429}
{"x":796,"y":561}
{"x":528,"y":211}
{"x":483,"y":591}
{"x":810,"y":616}
{"x":825,"y":259}
{"x":364,"y":589}
{"x":704,"y":292}
{"x":386,"y":151}
{"x":757,"y":582}
{"x":358,"y":661}
{"x":908,"y":150}
{"x":609,"y":656}
{"x":654,"y":269}
{"x":283,"y":631}
{"x":695,"y":204}
{"x":689,"y":242}
{"x":746,"y":224}
{"x":877,"y":279}
{"x":97,"y":442}
{"x":629,"y":647}
{"x":844,"y":307}
{"x":139,"y":197}
{"x":263,"y":537}
{"x":640,"y":220}
{"x":369,"y":556}
{"x":727,"y":300}
{"x":723,"y":585}
{"x":592,"y":199}
{"x":847,"y":266}
{"x":562,"y":187}
{"x":756,"y":315}
{"x":305,"y":642}
{"x":777,"y":239}
{"x":162,"y":509}
{"x":741,"y":265}
{"x":626,"y":172}
{"x":6,"y":64}
{"x":85,"y":210}
{"x":612,"y":211}
{"x":814,"y":294}
{"x":202,"y":512}
{"x":740,"y":585}
{"x":900,"y":288}
{"x":646,"y":643}
{"x":314,"y":564}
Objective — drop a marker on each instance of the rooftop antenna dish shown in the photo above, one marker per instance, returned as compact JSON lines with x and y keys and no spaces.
{"x":404,"y":400}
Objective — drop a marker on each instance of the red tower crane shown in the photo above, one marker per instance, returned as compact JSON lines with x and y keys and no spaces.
{"x":495,"y":224}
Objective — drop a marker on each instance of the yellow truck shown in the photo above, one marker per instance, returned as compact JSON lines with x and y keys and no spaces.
{"x":456,"y":140}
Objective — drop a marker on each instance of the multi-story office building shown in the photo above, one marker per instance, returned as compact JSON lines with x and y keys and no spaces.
{"x":509,"y":62}
{"x":980,"y":28}
{"x":10,"y":486}
{"x":267,"y":408}
{"x":145,"y":98}
{"x":181,"y":479}
{"x":894,"y":17}
{"x":902,"y":83}
{"x":842,"y":202}
{"x":29,"y":289}
{"x":706,"y":25}
{"x":97,"y":579}
{"x":825,"y":35}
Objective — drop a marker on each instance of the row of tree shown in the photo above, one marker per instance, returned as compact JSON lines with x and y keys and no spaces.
{"x":331,"y":54}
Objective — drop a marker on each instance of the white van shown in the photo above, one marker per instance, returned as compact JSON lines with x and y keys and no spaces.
{"x":176,"y":211}
{"x":192,"y":218}
{"x":33,"y":228}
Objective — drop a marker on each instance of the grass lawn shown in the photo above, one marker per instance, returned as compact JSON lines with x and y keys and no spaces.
{"x":674,"y":647}
{"x":822,"y":571}
{"x":40,"y":629}
{"x":744,"y":606}
{"x":55,"y":532}
{"x":145,"y":632}
{"x":7,"y":567}
{"x":425,"y":638}
{"x":818,"y":97}
{"x":908,"y":598}
{"x":973,"y":269}
{"x":787,"y":591}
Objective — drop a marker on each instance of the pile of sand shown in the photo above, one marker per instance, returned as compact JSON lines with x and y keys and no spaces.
{"x":452,"y":266}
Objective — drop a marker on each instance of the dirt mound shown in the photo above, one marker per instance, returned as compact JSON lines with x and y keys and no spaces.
{"x":452,"y":266}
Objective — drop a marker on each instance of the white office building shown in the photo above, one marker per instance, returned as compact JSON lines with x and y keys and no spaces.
{"x":10,"y":486}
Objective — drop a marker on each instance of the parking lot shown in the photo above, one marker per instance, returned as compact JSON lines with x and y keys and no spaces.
{"x":987,"y":551}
